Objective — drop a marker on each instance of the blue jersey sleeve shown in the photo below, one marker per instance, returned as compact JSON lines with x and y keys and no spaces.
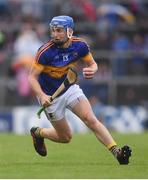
{"x":84,"y":49}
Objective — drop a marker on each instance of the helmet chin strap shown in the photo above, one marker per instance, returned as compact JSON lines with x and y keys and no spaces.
{"x":69,"y":34}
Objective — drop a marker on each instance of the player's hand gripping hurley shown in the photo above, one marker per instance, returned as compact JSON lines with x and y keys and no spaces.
{"x":71,"y":78}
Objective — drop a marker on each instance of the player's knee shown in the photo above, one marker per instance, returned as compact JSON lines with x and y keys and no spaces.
{"x":66,"y":138}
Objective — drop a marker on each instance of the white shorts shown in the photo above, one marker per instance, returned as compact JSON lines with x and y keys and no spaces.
{"x":56,"y":111}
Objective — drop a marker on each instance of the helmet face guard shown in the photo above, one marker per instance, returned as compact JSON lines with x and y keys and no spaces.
{"x":65,"y":22}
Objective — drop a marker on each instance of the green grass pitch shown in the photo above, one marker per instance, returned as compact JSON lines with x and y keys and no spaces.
{"x":83,"y":158}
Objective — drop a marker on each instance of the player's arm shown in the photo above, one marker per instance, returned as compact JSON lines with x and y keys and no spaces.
{"x":34,"y":84}
{"x":91,"y":66}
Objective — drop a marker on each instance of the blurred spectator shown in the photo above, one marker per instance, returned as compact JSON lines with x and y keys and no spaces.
{"x":2,"y":46}
{"x":105,"y":72}
{"x":81,"y":10}
{"x":103,"y":41}
{"x":27,"y":41}
{"x":112,"y":14}
{"x":138,"y":60}
{"x":32,"y":7}
{"x":25,"y":48}
{"x":146,"y":53}
{"x":89,"y":9}
{"x":120,"y":45}
{"x":3,"y":7}
{"x":130,"y":96}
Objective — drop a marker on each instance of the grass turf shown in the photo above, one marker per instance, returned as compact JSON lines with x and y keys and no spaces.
{"x":83,"y":158}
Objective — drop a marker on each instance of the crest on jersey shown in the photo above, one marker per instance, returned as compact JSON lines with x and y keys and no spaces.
{"x":65,"y":57}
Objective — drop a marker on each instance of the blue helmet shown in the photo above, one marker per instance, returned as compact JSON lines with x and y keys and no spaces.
{"x":62,"y":21}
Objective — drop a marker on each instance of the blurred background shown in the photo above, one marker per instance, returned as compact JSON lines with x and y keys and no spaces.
{"x":117,"y":32}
